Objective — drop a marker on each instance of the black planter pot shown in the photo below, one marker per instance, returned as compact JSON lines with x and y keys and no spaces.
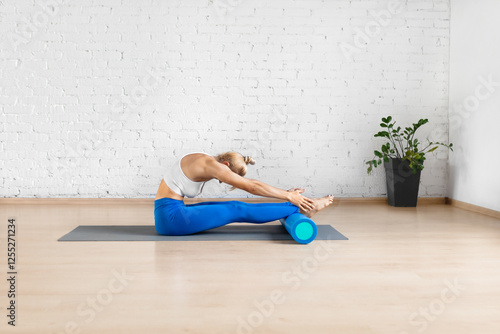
{"x":402,"y":184}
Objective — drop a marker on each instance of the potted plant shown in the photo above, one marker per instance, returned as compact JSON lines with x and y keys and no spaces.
{"x":403,"y":160}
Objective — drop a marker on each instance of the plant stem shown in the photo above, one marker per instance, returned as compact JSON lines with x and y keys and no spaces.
{"x":394,"y":143}
{"x":401,"y":145}
{"x":425,"y":148}
{"x":413,"y":134}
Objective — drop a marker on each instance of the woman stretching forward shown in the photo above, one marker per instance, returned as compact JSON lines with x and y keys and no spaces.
{"x":187,"y":178}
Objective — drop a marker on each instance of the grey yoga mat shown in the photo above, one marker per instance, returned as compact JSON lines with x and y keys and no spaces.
{"x":227,"y":232}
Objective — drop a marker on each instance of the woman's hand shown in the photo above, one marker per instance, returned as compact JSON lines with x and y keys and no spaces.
{"x":304,"y":203}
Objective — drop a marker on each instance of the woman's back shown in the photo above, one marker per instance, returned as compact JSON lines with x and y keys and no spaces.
{"x":184,"y":177}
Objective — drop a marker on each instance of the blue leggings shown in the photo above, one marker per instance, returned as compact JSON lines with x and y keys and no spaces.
{"x":173,"y":217}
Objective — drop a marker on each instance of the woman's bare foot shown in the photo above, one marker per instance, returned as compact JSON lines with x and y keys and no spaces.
{"x":319,"y":204}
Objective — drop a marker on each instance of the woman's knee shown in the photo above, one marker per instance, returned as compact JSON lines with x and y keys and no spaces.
{"x":161,"y":227}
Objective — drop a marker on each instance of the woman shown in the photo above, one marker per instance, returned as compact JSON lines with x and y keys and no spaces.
{"x":190,"y":173}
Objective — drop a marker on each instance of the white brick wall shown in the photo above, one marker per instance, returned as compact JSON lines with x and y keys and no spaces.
{"x":98,"y":97}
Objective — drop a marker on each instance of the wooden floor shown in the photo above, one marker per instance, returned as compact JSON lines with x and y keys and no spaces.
{"x":431,"y":269}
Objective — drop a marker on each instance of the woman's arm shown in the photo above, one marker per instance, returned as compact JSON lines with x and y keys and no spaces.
{"x":256,"y":187}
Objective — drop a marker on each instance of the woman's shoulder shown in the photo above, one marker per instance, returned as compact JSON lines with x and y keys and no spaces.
{"x":202,"y":157}
{"x":191,"y":153}
{"x":198,"y":155}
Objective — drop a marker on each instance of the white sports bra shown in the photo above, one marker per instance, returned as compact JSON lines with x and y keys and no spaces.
{"x":180,"y":183}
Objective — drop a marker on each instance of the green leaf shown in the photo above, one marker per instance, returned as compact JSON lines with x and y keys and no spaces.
{"x":378,"y":154}
{"x":432,"y":149}
{"x":389,"y":118}
{"x":382,"y":134}
{"x":383,"y":125}
{"x":386,"y":159}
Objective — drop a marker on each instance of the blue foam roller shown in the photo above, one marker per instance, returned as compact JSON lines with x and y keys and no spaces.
{"x":301,"y":228}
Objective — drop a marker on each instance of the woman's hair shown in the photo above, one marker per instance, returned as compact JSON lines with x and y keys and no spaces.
{"x":237,"y":162}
